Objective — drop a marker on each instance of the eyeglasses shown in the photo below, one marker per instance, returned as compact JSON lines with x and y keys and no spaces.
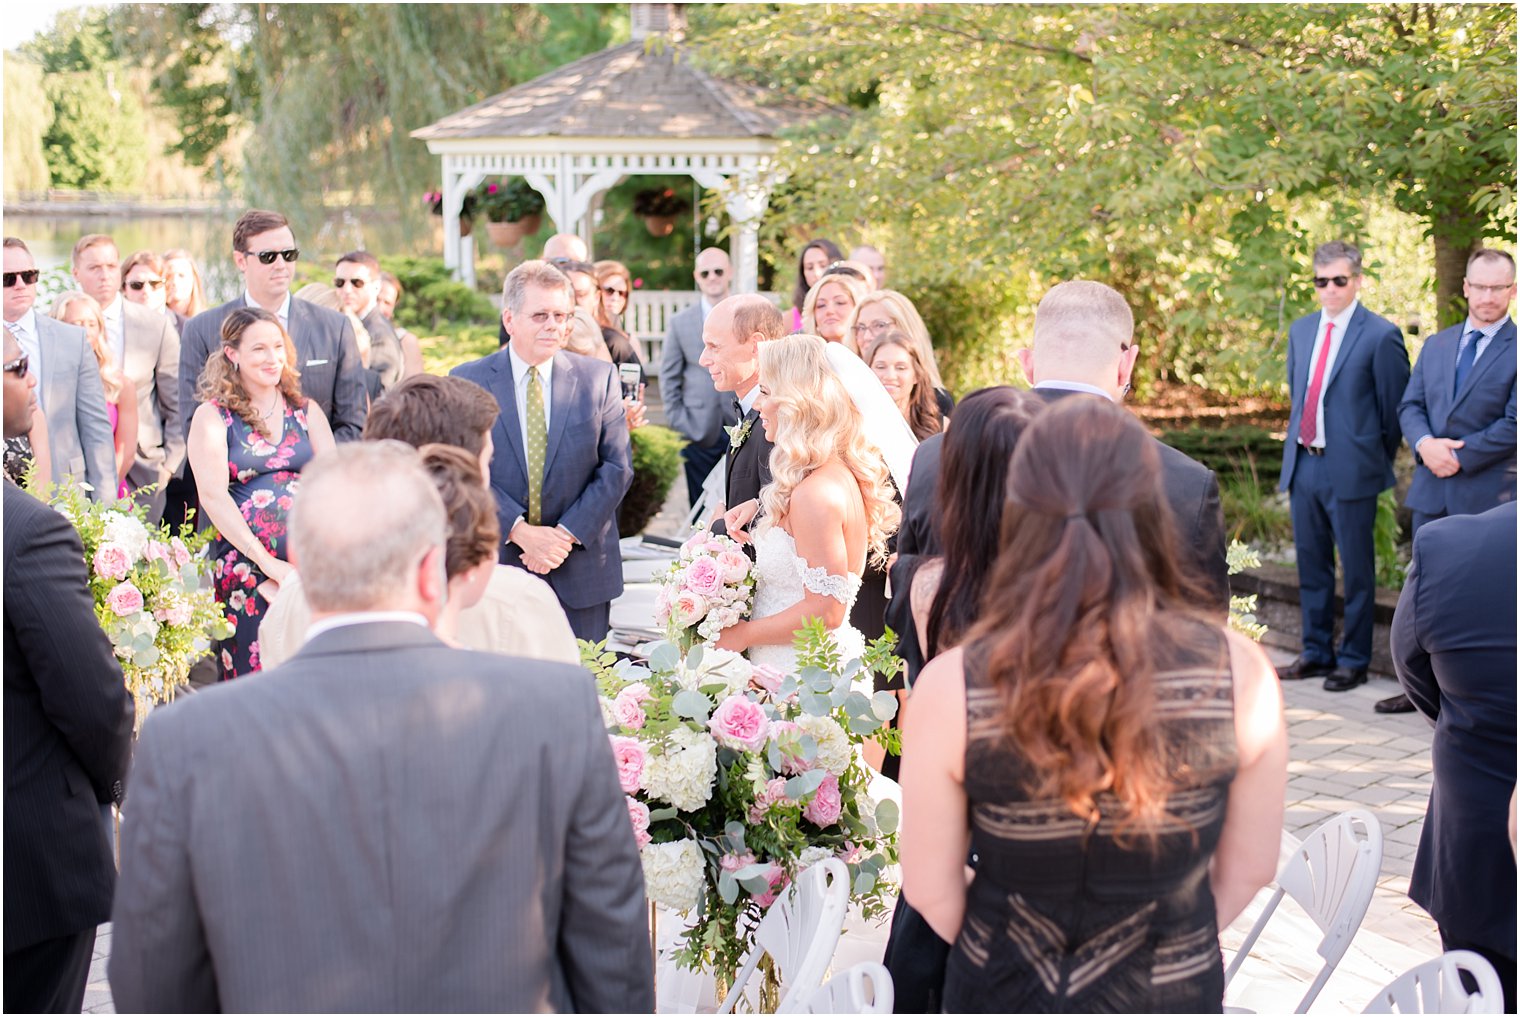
{"x":704,"y":273}
{"x":1321,"y":281}
{"x":142,"y":284}
{"x":267,"y":257}
{"x":613,"y":291}
{"x":357,"y":284}
{"x":18,"y":366}
{"x":861,"y":327}
{"x":1479,"y":290}
{"x":27,"y":277}
{"x":543,"y":317}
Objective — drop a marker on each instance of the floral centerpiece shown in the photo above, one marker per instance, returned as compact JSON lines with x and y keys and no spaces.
{"x":153,"y":592}
{"x":739,"y":778}
{"x":708,"y":588}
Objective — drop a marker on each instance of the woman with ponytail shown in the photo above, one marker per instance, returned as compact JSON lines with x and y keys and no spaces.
{"x":1114,"y":759}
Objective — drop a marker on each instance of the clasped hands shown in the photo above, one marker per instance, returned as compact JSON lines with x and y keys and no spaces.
{"x":544,"y":548}
{"x":1439,"y":455}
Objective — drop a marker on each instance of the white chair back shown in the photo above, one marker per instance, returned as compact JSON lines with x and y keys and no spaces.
{"x":800,"y":932}
{"x":864,"y":988}
{"x":1332,"y":876}
{"x":1436,"y":987}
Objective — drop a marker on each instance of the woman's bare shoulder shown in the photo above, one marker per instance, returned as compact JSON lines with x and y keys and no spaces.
{"x":826,"y":489}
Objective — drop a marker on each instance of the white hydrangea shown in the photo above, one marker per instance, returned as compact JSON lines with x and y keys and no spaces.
{"x":811,"y":856}
{"x":834,"y":749}
{"x":675,"y":874}
{"x":717,"y":666}
{"x":684,"y":775}
{"x":609,"y":719}
{"x":128,"y":531}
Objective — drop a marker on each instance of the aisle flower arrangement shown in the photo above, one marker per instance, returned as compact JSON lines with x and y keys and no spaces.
{"x":153,"y":592}
{"x":708,"y":588}
{"x":738,"y":778}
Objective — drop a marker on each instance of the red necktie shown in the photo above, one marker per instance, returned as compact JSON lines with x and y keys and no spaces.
{"x":1308,"y":427}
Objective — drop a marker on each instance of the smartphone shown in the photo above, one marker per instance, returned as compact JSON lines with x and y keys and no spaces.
{"x":629,"y":375}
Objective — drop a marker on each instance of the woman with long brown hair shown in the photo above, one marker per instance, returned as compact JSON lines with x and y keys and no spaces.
{"x":249,"y":439}
{"x":1113,"y":757}
{"x":895,"y":360}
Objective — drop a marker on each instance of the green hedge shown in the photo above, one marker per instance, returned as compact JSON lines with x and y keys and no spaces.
{"x":431,"y":300}
{"x":656,"y":461}
{"x":1231,"y":450}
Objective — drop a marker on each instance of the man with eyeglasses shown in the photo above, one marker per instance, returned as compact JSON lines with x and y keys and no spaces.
{"x":145,"y":346}
{"x":264,"y":251}
{"x":1347,"y":369}
{"x":69,"y":391}
{"x":357,"y":280}
{"x":1458,"y":413}
{"x":692,"y":405}
{"x":562,"y":461}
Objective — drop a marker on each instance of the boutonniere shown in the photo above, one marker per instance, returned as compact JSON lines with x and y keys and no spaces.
{"x":737,"y":433}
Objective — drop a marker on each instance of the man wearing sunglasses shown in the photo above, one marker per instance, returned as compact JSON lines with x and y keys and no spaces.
{"x":692,"y":404}
{"x":327,"y":357}
{"x":1347,"y":369}
{"x":145,"y":345}
{"x":69,"y":391}
{"x":357,"y":280}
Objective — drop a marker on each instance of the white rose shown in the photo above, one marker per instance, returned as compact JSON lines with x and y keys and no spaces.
{"x":128,"y":531}
{"x":834,"y":750}
{"x":684,"y":774}
{"x":811,"y":856}
{"x":675,"y":874}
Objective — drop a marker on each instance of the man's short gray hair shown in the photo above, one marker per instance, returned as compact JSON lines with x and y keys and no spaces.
{"x":1335,"y":250}
{"x":533,"y":273}
{"x":1083,"y":321}
{"x":365,"y":514}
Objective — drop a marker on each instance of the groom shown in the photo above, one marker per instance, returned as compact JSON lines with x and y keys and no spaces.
{"x":731,"y":339}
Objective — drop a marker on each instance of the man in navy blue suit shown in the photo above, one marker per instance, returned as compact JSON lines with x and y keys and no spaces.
{"x":1458,"y":413}
{"x":1454,"y":650}
{"x":562,"y":459}
{"x":1347,"y":369}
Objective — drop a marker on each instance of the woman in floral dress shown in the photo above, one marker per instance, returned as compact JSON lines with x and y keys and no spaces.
{"x":249,"y":439}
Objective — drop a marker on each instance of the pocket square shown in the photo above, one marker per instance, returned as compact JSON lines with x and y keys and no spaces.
{"x":315,"y":363}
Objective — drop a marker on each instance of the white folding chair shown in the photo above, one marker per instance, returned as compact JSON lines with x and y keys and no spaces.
{"x":1436,"y":987}
{"x":799,"y":932}
{"x":1331,"y":875}
{"x":864,"y":988}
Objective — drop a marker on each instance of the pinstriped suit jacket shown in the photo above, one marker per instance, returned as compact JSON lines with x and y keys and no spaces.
{"x":381,"y":824}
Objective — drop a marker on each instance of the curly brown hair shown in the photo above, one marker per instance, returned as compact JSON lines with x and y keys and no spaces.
{"x":221,"y":383}
{"x":474,"y":530}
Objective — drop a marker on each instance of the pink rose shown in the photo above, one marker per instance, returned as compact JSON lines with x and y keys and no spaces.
{"x":735,"y":566}
{"x":774,"y":794}
{"x":179,"y":614}
{"x":766,"y":677}
{"x":850,"y":853}
{"x":181,"y":552}
{"x":638,"y":815}
{"x":112,"y":561}
{"x":626,"y":707}
{"x":733,"y":863}
{"x":157,"y":550}
{"x":739,"y":723}
{"x":631,"y":758}
{"x":125,"y":599}
{"x":714,"y":547}
{"x":687,"y":609}
{"x":704,"y":578}
{"x":777,"y":878}
{"x":826,"y":805}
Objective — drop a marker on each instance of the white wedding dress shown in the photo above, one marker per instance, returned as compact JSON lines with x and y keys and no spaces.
{"x":782,"y":578}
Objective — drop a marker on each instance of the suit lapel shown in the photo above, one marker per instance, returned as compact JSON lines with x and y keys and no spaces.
{"x":1353,"y":335}
{"x":1501,"y":347}
{"x":505,"y":391}
{"x":300,"y":327}
{"x":1303,"y":354}
{"x":564,"y":390}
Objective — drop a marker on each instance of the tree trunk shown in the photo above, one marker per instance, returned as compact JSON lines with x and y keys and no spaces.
{"x":1457,"y":234}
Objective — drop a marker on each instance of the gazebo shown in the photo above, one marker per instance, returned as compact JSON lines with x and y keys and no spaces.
{"x":638,"y":108}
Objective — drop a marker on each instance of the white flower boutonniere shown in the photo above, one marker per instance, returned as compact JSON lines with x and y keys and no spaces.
{"x":738,"y":433}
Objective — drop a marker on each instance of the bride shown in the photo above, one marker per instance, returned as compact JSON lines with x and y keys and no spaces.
{"x":828,"y":507}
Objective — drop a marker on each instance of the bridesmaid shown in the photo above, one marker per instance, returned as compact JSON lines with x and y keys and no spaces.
{"x":249,"y":439}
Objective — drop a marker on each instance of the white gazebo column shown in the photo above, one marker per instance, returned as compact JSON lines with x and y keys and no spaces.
{"x":747,"y":196}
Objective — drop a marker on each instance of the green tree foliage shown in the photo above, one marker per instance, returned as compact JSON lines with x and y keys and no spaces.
{"x":28,"y":112}
{"x":1168,"y":149}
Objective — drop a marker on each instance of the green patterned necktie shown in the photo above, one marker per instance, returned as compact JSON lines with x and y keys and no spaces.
{"x":537,"y":443}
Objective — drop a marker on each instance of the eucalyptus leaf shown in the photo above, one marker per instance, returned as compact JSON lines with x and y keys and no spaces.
{"x":690,"y":704}
{"x":756,"y":884}
{"x":887,"y":816}
{"x":665,"y":657}
{"x":884,"y":705}
{"x":694,"y":657}
{"x":728,"y":887}
{"x":864,"y":882}
{"x":814,"y":705}
{"x":839,"y":696}
{"x":805,"y":783}
{"x":657,"y":815}
{"x":857,"y":704}
{"x":863,"y":725}
{"x":752,"y":870}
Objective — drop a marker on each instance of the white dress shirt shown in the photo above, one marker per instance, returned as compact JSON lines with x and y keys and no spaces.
{"x":1336,"y":335}
{"x":283,"y":313}
{"x":520,"y":389}
{"x":116,"y":331}
{"x":747,"y":402}
{"x":24,"y":329}
{"x":1075,"y":386}
{"x":338,"y":621}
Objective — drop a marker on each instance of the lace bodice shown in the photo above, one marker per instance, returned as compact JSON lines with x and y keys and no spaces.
{"x":782,"y":578}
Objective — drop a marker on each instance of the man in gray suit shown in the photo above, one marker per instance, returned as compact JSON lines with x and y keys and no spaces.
{"x":69,"y":389}
{"x":383,"y":823}
{"x":145,"y":345}
{"x":692,"y":405}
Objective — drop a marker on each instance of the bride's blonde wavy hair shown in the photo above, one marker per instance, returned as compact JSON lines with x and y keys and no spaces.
{"x":815,"y":420}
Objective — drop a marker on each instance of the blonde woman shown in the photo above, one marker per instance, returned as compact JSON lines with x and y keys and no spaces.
{"x":830,"y":303}
{"x":78,"y":308}
{"x":883,"y":311}
{"x":184,"y":293}
{"x":827,"y":510}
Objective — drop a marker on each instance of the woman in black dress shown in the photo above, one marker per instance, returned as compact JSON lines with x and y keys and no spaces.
{"x":1115,"y":760}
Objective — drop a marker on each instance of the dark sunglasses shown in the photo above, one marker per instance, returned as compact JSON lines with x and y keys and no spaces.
{"x":142,"y":284}
{"x":613,"y":291}
{"x":1321,"y":281}
{"x":18,"y":366}
{"x":711,"y":271}
{"x":357,"y":284}
{"x":267,"y":257}
{"x":29,"y":276}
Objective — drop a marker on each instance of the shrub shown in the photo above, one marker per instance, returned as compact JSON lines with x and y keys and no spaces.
{"x":656,"y":461}
{"x":443,"y":352}
{"x":430,"y":298}
{"x":1240,"y":448}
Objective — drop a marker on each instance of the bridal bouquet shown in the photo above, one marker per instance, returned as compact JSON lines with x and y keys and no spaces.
{"x":739,"y":778}
{"x":708,"y":588}
{"x":153,"y":592}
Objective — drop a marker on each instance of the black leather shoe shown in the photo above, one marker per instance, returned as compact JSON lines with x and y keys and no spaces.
{"x":1394,"y":704}
{"x":1344,"y":679}
{"x":1302,"y":667}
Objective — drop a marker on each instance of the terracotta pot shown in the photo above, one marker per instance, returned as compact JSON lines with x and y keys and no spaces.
{"x":466,"y":226}
{"x":660,"y":225}
{"x":506,"y":234}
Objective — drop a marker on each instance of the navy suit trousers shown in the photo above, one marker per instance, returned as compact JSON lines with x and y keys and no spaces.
{"x":1322,"y":525}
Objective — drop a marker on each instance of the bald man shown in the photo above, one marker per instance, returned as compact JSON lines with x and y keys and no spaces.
{"x":567,"y":246}
{"x":692,"y":405}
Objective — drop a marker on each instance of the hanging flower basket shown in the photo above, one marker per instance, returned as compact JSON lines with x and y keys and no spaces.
{"x":508,"y":234}
{"x":660,"y":225}
{"x":659,"y":208}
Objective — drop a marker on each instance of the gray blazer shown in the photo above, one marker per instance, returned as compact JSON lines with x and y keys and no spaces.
{"x":152,"y":363}
{"x":79,"y":429}
{"x":692,"y":405}
{"x":381,"y":824}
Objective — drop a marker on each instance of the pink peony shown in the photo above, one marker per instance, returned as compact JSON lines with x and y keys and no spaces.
{"x":704,"y":578}
{"x":735,"y":566}
{"x":714,"y":547}
{"x":179,"y":614}
{"x":777,"y":878}
{"x":112,"y":561}
{"x":626,"y":706}
{"x":181,"y":552}
{"x":739,"y":723}
{"x":638,"y":814}
{"x":733,"y":863}
{"x":125,"y":599}
{"x":687,"y":609}
{"x":850,"y":853}
{"x":766,"y":677}
{"x":631,"y":758}
{"x":157,"y":550}
{"x":826,"y":805}
{"x":774,"y":794}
